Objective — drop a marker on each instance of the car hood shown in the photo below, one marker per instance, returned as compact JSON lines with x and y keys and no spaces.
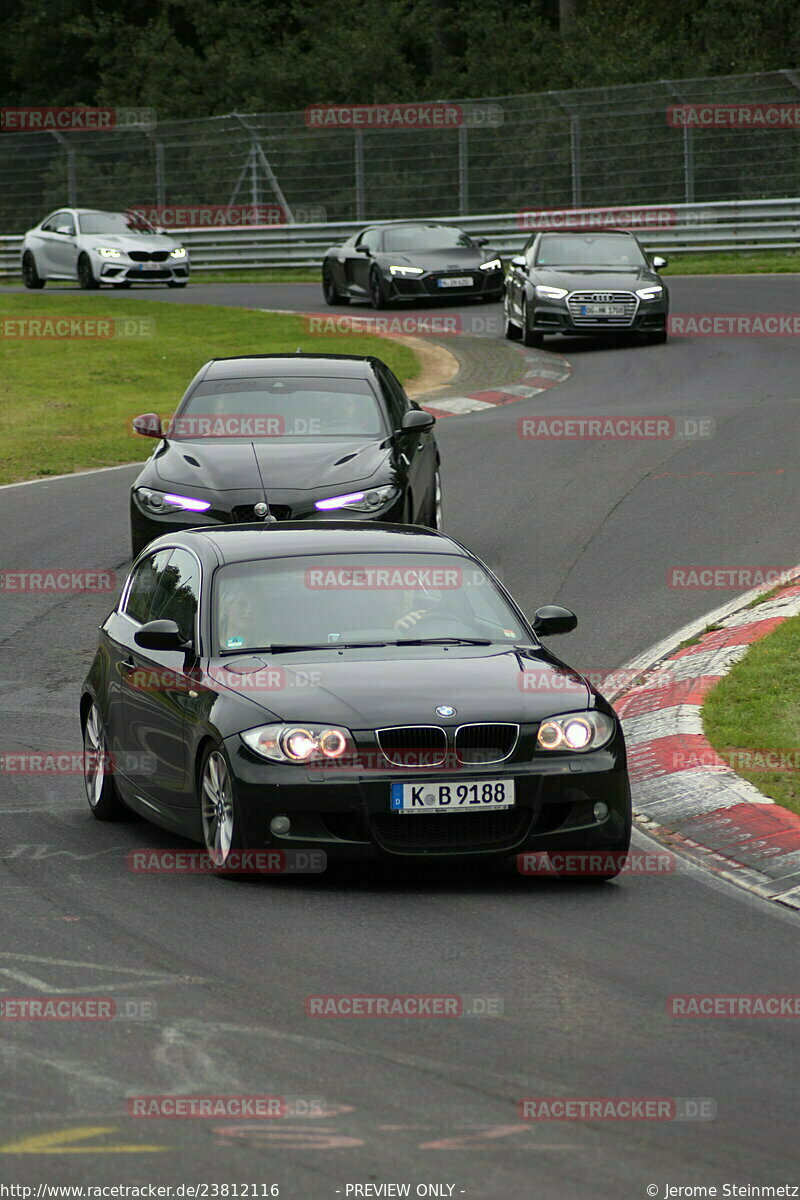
{"x":129,"y":241}
{"x":369,"y":689}
{"x":459,"y":258}
{"x":299,"y":464}
{"x":601,"y":279}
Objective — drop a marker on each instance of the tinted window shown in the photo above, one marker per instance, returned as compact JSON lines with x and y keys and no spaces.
{"x":144,"y":586}
{"x":371,"y":239}
{"x":176,"y":596}
{"x":589,"y":250}
{"x":413,"y":238}
{"x":63,"y":223}
{"x":49,"y":225}
{"x":396,"y":397}
{"x":103,"y":222}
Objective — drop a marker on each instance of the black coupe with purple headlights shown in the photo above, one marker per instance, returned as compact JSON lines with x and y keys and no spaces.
{"x":288,"y":437}
{"x":411,"y":261}
{"x":361,"y":690}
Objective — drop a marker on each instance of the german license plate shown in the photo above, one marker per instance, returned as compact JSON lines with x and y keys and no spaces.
{"x":603,"y":310}
{"x":456,"y":281}
{"x":452,"y":797}
{"x":149,"y":267}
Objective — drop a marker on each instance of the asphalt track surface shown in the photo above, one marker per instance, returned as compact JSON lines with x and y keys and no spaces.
{"x":583,"y":974}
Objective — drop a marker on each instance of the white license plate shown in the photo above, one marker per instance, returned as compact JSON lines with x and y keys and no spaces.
{"x":603,"y":310}
{"x":149,"y":267}
{"x":457,"y":281}
{"x":453,"y":797}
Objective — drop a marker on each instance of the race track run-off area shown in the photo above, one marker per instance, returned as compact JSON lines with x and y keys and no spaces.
{"x":214,"y":976}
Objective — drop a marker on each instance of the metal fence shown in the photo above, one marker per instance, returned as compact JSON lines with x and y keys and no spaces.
{"x":587,"y":147}
{"x":724,"y":225}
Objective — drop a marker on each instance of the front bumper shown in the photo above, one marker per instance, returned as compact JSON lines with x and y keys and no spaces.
{"x":238,"y":510}
{"x":559,"y":317}
{"x":125,"y":270}
{"x":347,"y":813}
{"x":483,"y":284}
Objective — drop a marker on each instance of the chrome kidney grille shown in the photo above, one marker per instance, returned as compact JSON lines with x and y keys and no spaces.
{"x":479,"y":744}
{"x":576,"y":300}
{"x":413,"y":746}
{"x":420,"y":746}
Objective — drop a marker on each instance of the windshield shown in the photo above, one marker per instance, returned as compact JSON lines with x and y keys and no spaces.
{"x":103,"y":222}
{"x":411,"y":239}
{"x":594,"y":250}
{"x":333,"y":599}
{"x":280,"y":406}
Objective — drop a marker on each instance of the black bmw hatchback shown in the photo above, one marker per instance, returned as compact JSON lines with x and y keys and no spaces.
{"x":359,"y":690}
{"x":288,"y":437}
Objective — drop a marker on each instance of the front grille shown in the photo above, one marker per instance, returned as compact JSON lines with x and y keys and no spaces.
{"x":413,"y":746}
{"x":149,"y":255}
{"x":452,"y":831}
{"x":243,"y":513}
{"x":148,"y":276}
{"x":477,"y":744}
{"x":577,"y":299}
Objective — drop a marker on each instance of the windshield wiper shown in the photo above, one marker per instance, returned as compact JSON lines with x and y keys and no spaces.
{"x":443,"y":641}
{"x":288,"y":647}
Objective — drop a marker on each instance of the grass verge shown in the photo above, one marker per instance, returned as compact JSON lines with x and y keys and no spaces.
{"x":755,"y":709}
{"x":66,"y":403}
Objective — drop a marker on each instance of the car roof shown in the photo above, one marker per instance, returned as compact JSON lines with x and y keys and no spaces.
{"x":285,"y":539}
{"x":344,"y":365}
{"x":587,"y":232}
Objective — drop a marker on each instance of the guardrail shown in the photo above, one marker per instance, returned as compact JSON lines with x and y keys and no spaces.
{"x":677,"y":229}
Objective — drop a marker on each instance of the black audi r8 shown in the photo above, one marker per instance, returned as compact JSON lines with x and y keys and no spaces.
{"x":277,"y":437}
{"x":412,"y":261}
{"x":601,"y":284}
{"x":360,"y":690}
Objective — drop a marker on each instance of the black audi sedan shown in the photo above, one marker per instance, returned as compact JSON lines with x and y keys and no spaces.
{"x":413,"y":261}
{"x":278,"y":437}
{"x":361,"y":690}
{"x":602,"y":284}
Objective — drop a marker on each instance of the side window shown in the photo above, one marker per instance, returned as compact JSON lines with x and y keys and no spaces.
{"x":529,"y":251}
{"x":178,"y":591}
{"x":395,"y":396}
{"x":144,"y":586}
{"x":64,"y":223}
{"x":371,"y":239}
{"x":49,"y":225}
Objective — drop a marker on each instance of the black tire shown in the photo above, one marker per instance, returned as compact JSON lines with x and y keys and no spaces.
{"x":219,"y":812}
{"x":177,"y":283}
{"x":513,"y":332}
{"x":530,"y":337}
{"x":30,"y":276}
{"x":657,"y":339}
{"x":435,"y":518}
{"x":98,"y":779}
{"x":330,"y":291}
{"x":377,"y":290}
{"x":86,"y":275}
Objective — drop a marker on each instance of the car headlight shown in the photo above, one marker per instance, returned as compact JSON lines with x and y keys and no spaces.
{"x":493,"y":265}
{"x":168,"y":502}
{"x":109,"y":252}
{"x":407,"y":270}
{"x":367,"y":501}
{"x":575,"y":731}
{"x":178,"y":252}
{"x":550,"y":293}
{"x":298,"y":743}
{"x":650,"y":293}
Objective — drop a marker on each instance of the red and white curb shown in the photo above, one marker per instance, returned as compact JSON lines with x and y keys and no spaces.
{"x":684,"y":792}
{"x":543,"y":371}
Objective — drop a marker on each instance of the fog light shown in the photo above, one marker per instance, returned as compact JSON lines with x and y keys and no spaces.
{"x":280,"y":825}
{"x":600,"y":811}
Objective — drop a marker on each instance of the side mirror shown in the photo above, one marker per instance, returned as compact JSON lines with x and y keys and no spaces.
{"x":518,"y":261}
{"x":659,"y":262}
{"x":481,"y":241}
{"x":148,"y":425}
{"x":553,"y":619}
{"x":417,"y":421}
{"x":362,"y":250}
{"x":160,"y":635}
